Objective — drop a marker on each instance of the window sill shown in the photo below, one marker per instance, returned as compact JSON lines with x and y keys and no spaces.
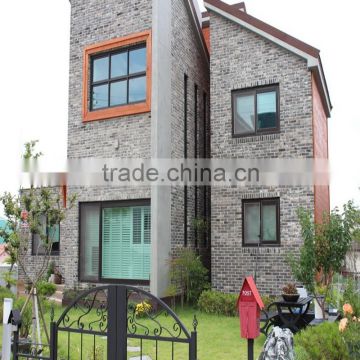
{"x":262,"y":246}
{"x":115,"y":112}
{"x":117,"y":281}
{"x":239,"y":139}
{"x":54,"y":253}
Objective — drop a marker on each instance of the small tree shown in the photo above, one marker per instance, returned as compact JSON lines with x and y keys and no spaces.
{"x":188,"y":276}
{"x":32,"y":211}
{"x":324,"y":250}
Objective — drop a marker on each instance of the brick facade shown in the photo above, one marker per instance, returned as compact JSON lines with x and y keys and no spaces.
{"x":241,"y":59}
{"x":187,"y":59}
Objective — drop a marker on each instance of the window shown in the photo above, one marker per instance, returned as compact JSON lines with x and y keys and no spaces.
{"x":117,"y":77}
{"x":255,"y":111}
{"x":261,"y":222}
{"x":54,"y":236}
{"x":115,"y":241}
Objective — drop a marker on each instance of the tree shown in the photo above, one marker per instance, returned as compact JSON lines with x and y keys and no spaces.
{"x":324,"y":249}
{"x":188,"y":276}
{"x":32,"y":211}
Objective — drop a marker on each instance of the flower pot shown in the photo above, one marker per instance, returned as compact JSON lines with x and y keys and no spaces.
{"x":291,"y":297}
{"x":57,"y":279}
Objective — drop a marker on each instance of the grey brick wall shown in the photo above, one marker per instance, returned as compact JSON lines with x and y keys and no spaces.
{"x":189,"y":59}
{"x":96,"y":21}
{"x":242,"y":59}
{"x":92,"y":22}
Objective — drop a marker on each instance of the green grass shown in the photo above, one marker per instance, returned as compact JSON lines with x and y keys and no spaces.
{"x":218,"y":338}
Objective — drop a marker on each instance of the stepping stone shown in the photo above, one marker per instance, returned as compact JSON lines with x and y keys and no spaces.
{"x":144,"y":357}
{"x":133,"y":348}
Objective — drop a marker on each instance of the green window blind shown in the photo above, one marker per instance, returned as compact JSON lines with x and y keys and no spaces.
{"x":126,"y":243}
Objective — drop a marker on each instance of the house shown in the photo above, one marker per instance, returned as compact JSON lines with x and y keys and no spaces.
{"x":159,"y":79}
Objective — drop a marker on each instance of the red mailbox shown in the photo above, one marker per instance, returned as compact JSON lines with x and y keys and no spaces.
{"x":249,"y":305}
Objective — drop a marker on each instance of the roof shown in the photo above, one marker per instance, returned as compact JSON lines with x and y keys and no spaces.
{"x":296,"y":46}
{"x":251,"y":283}
{"x":3,"y":254}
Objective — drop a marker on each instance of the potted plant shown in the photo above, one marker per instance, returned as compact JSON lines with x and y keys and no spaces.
{"x":50,"y":272}
{"x":57,"y":276}
{"x":290,"y":293}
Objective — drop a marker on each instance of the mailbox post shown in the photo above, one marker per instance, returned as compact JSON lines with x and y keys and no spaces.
{"x":249,"y":305}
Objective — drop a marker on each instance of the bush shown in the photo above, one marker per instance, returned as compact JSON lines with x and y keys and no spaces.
{"x":188,"y":275}
{"x":322,"y":342}
{"x":267,"y":300}
{"x":45,"y":289}
{"x":214,"y":302}
{"x":4,"y":293}
{"x":351,"y":337}
{"x":351,"y":296}
{"x":26,"y":317}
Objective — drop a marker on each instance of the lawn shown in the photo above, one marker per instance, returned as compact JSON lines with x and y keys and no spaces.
{"x":218,"y":338}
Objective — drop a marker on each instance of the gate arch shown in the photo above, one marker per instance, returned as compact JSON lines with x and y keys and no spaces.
{"x":119,"y":315}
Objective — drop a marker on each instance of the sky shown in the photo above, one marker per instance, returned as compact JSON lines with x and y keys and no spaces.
{"x":34,"y":78}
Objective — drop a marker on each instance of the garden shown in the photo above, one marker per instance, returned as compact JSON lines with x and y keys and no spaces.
{"x":318,"y":266}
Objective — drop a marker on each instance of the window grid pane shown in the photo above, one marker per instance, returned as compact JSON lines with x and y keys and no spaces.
{"x":266,"y":110}
{"x":244,"y":114}
{"x":137,"y":89}
{"x":269,"y":223}
{"x":251,"y":223}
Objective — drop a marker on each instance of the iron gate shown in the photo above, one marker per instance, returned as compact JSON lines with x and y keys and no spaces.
{"x":117,"y":322}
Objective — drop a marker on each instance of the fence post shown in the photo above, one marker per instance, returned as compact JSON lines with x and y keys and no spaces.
{"x":111,"y":330}
{"x":16,"y":344}
{"x":53,"y":341}
{"x":193,"y":346}
{"x":7,"y":329}
{"x":121,"y":323}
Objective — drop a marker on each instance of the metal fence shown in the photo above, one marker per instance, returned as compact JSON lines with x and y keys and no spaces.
{"x":114,"y":322}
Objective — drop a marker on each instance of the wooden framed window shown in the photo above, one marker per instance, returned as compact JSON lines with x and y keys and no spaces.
{"x":117,"y":77}
{"x":255,"y":111}
{"x":261,"y":222}
{"x":115,"y":241}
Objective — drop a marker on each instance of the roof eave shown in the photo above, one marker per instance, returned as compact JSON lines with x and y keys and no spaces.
{"x":305,"y":51}
{"x":190,"y":6}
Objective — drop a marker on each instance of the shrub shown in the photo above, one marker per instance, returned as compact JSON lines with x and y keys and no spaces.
{"x":351,"y":337}
{"x":189,"y":275}
{"x":214,"y":302}
{"x":4,"y":293}
{"x":322,"y":342}
{"x":142,"y":309}
{"x":96,"y":353}
{"x":349,"y":328}
{"x":26,"y":317}
{"x":45,"y":289}
{"x":351,"y":296}
{"x":267,"y":300}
